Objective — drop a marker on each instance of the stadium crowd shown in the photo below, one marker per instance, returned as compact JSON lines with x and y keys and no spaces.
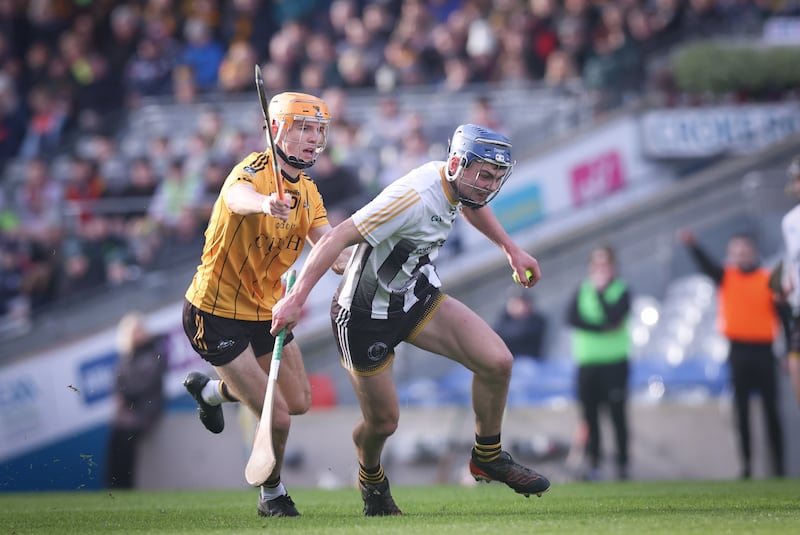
{"x":77,"y":214}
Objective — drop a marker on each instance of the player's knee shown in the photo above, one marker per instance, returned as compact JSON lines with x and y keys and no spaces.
{"x":300,"y":405}
{"x":498,"y":367}
{"x":383,"y":425}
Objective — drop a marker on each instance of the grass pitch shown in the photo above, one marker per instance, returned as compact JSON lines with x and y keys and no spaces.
{"x":707,"y":507}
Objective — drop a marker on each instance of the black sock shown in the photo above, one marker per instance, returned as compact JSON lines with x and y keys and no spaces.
{"x":486,"y":449}
{"x":373,"y":476}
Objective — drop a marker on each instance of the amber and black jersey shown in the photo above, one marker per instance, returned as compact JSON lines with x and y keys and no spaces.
{"x":239,"y":276}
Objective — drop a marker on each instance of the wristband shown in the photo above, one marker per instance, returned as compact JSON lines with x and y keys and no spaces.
{"x":265,"y":206}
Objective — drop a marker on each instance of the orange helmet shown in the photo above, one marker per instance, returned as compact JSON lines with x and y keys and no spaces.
{"x":285,"y":109}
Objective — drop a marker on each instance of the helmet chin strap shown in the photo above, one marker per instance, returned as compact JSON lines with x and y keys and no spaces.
{"x":291,"y":160}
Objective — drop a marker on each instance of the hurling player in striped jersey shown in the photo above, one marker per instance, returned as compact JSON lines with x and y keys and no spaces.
{"x":390,"y":293}
{"x":790,"y":226}
{"x":253,"y":238}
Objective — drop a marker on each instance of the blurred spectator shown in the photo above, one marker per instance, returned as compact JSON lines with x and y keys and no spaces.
{"x":93,"y":93}
{"x":249,"y":21}
{"x":148,"y":73}
{"x":48,"y":116}
{"x":748,"y":318}
{"x":540,"y":29}
{"x":613,"y":65}
{"x":95,"y":256}
{"x":140,"y":231}
{"x":482,"y":112}
{"x":214,"y":176}
{"x":125,"y":32}
{"x":138,"y":397}
{"x":276,"y":78}
{"x":414,"y":151}
{"x":598,"y":313}
{"x":340,"y":187}
{"x":84,"y":185}
{"x":387,"y":127}
{"x":203,"y":53}
{"x":236,"y":68}
{"x":560,"y":71}
{"x":14,"y":304}
{"x":521,"y":326}
{"x":184,"y":85}
{"x":12,"y":121}
{"x":174,"y":204}
{"x":159,"y":152}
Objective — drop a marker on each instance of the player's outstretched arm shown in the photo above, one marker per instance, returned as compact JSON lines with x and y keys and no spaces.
{"x":486,"y":222}
{"x":243,"y":199}
{"x":287,"y":311}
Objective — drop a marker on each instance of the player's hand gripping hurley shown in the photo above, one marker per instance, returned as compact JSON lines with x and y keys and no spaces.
{"x":262,"y":458}
{"x":262,"y":98}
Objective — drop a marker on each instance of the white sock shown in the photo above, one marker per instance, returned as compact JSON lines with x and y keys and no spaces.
{"x":211,"y":393}
{"x":271,"y":493}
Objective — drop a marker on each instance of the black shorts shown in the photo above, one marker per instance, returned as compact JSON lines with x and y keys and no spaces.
{"x":220,"y":340}
{"x":366,"y":345}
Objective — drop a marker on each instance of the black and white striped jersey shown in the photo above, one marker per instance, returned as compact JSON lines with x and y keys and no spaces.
{"x":403,"y":227}
{"x":790,"y":225}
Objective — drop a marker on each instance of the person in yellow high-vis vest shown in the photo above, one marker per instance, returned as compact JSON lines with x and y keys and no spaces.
{"x":748,"y":318}
{"x":598,"y":314}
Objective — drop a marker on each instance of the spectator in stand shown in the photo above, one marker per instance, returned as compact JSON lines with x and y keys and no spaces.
{"x":483,"y":112}
{"x":749,"y":319}
{"x":521,"y":326}
{"x":184,"y":85}
{"x":214,"y":177}
{"x":321,"y":53}
{"x":175,"y":202}
{"x":540,"y":29}
{"x":613,"y":66}
{"x":339,"y":186}
{"x":38,"y":199}
{"x":14,"y":304}
{"x":561,"y":72}
{"x":414,"y":151}
{"x":140,"y":230}
{"x":94,"y":257}
{"x":12,"y":121}
{"x":203,"y":53}
{"x":148,"y":73}
{"x":276,"y":77}
{"x":159,"y":152}
{"x":83,"y":187}
{"x":124,"y":35}
{"x":236,"y":68}
{"x":48,"y":116}
{"x":249,"y":21}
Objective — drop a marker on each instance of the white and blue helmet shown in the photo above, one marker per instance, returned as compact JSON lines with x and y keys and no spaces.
{"x":473,"y":143}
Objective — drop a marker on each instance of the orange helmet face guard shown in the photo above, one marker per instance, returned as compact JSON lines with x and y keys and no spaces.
{"x":302,"y":121}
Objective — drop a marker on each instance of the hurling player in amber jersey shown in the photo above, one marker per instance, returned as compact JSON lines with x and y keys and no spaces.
{"x":253,"y":238}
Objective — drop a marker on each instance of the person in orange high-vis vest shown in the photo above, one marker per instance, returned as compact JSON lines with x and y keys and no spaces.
{"x":748,"y":318}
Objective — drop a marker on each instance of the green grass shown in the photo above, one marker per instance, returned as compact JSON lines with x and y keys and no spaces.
{"x":708,"y":508}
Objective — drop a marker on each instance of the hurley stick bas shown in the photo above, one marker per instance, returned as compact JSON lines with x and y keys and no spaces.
{"x":262,"y":459}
